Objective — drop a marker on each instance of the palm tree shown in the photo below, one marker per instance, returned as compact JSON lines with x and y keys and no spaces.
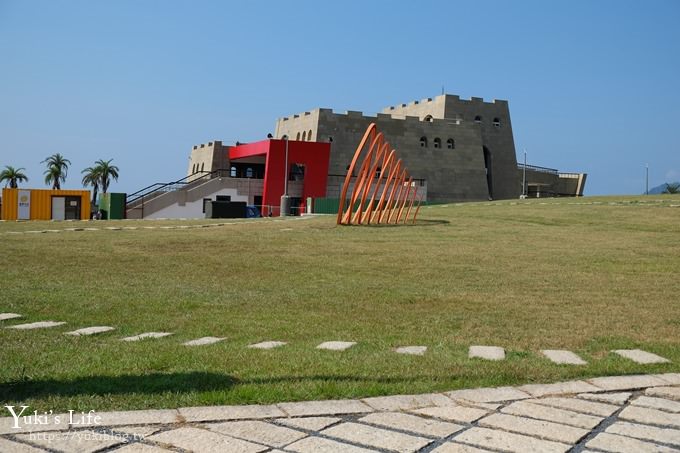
{"x":673,"y":187}
{"x":106,"y":172}
{"x":92,"y":178}
{"x":13,"y":176}
{"x":57,"y":168}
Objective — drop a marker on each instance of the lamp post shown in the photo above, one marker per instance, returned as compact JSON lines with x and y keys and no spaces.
{"x":646,"y":179}
{"x":524,"y":175}
{"x":284,"y":198}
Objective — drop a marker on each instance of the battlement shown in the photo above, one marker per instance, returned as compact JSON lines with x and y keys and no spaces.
{"x":445,"y":97}
{"x":325,"y":112}
{"x":208,"y":145}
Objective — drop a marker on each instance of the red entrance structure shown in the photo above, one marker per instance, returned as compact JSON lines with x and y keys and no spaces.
{"x":314,"y":157}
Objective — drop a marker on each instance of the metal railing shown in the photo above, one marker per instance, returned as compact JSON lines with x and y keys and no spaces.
{"x":552,"y":171}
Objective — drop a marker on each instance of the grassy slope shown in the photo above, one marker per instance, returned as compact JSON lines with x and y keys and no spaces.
{"x":525,"y":276}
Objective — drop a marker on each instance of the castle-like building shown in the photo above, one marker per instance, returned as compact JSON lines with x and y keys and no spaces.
{"x":456,"y":149}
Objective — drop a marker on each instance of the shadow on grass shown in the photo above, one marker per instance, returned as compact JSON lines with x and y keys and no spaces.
{"x":159,"y":383}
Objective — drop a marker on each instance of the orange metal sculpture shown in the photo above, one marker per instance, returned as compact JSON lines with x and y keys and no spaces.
{"x":379,"y":167}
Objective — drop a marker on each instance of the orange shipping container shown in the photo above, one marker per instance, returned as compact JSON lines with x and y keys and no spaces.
{"x":46,"y":204}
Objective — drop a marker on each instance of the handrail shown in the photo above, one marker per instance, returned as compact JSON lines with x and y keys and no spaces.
{"x":537,"y":168}
{"x":159,"y":186}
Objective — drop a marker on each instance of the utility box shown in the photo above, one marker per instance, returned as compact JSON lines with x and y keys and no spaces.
{"x":112,"y":205}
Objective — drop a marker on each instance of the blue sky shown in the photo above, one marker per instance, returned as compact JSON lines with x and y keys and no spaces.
{"x":593,"y":86}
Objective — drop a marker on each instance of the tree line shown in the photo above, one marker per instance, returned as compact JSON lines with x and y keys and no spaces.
{"x":98,"y":176}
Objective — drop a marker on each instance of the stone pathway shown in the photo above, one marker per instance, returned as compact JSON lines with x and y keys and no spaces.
{"x":36,"y":325}
{"x":617,"y":414}
{"x":5,"y":316}
{"x":146,"y":335}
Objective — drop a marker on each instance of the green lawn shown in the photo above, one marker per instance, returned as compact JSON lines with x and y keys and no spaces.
{"x":589,"y":275}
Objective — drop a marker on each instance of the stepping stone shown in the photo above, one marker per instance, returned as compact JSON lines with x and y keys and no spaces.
{"x":412,"y":350}
{"x":37,"y":325}
{"x":486,"y":352}
{"x":90,"y":330}
{"x":113,"y":228}
{"x":639,"y":356}
{"x":142,"y":336}
{"x":6,"y":316}
{"x":336,"y":345}
{"x":267,"y":345}
{"x":203,"y":341}
{"x":562,"y":357}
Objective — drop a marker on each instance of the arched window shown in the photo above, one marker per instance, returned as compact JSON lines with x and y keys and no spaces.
{"x":423,"y":142}
{"x":202,"y":166}
{"x":450,"y":144}
{"x":437,"y":142}
{"x":297,"y":137}
{"x":304,"y":136}
{"x":497,"y":122}
{"x":478,"y":119}
{"x":249,"y":172}
{"x":428,"y":118}
{"x":309,"y":136}
{"x":193,"y":169}
{"x":232,"y":172}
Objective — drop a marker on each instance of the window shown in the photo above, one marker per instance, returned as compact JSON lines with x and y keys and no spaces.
{"x":478,"y":119}
{"x":437,"y":142}
{"x":423,"y":142}
{"x":205,"y":202}
{"x":297,"y":137}
{"x":249,"y":172}
{"x":378,"y":172}
{"x":497,"y":122}
{"x":309,"y":136}
{"x":428,"y":118}
{"x":450,"y":144}
{"x":232,"y":172}
{"x":304,"y":136}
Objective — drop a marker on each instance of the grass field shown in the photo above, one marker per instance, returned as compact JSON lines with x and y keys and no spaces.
{"x":588,"y":275}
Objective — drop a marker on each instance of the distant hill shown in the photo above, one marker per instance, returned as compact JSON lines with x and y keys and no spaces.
{"x":658,"y":189}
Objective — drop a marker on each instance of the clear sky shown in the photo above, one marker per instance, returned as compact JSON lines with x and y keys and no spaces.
{"x":593,"y":86}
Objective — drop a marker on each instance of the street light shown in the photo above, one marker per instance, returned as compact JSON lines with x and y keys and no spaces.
{"x":284,"y":198}
{"x":524,"y":175}
{"x":646,"y":179}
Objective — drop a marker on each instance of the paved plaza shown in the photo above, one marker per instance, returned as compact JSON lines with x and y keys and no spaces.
{"x":608,"y":414}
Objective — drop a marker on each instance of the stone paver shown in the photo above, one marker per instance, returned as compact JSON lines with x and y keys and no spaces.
{"x":537,"y":428}
{"x":203,"y":341}
{"x":321,"y":445}
{"x":329,"y":407}
{"x":577,"y":405}
{"x":500,"y":440}
{"x":524,"y":409}
{"x":336,"y":345}
{"x":258,"y":431}
{"x":376,"y":437}
{"x":613,"y":398}
{"x":452,"y":447}
{"x":138,"y":432}
{"x":639,"y":356}
{"x":459,"y":414}
{"x":650,"y":416}
{"x":645,"y":432}
{"x":141,"y":448}
{"x":16,"y":447}
{"x":82,"y":441}
{"x":214,"y":413}
{"x":194,"y":439}
{"x":408,"y":402}
{"x":559,"y":388}
{"x":626,"y":382}
{"x":90,"y":330}
{"x":309,"y":423}
{"x":563,"y":357}
{"x":657,"y":403}
{"x":486,"y":352}
{"x":37,"y":325}
{"x":666,"y":392}
{"x":671,"y":378}
{"x":489,"y":395}
{"x":146,"y":335}
{"x":267,"y":345}
{"x":411,"y":423}
{"x":153,"y":416}
{"x":620,"y":444}
{"x":411,"y":350}
{"x":6,"y":316}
